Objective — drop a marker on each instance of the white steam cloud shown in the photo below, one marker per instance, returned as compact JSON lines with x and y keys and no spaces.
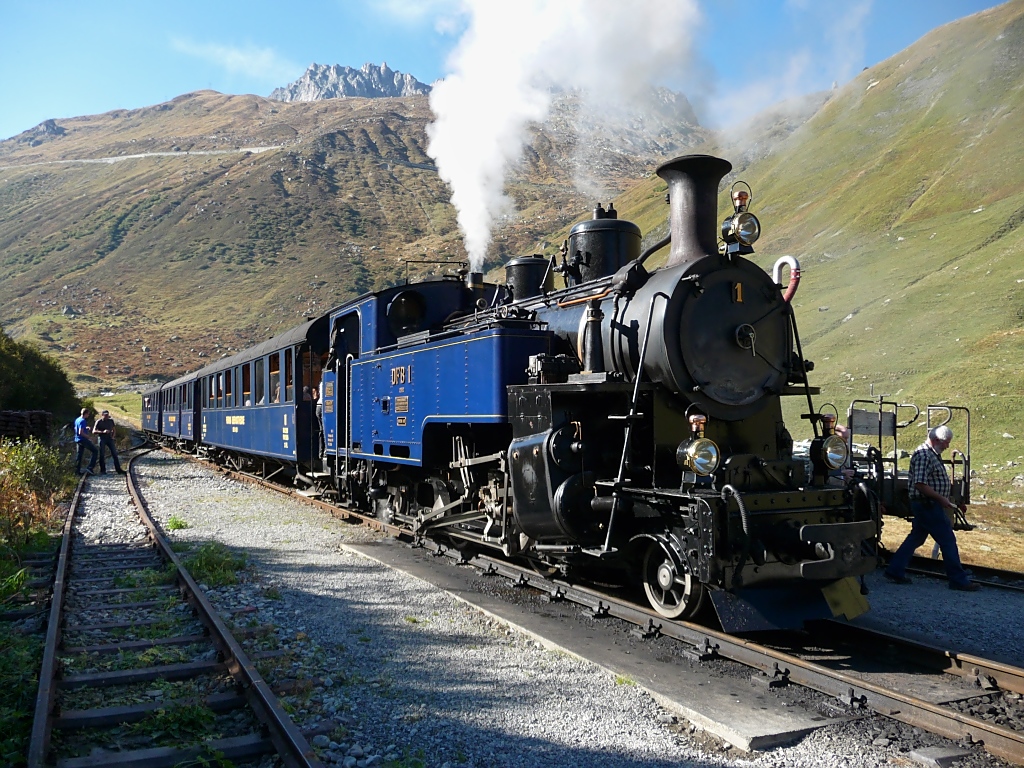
{"x":504,"y":69}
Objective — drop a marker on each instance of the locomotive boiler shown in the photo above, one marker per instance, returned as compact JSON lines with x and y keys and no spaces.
{"x":627,"y":426}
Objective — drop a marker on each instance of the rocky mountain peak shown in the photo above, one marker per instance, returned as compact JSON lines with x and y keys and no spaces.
{"x":321,"y":81}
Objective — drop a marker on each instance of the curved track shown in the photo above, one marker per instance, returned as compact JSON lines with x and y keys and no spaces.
{"x":85,"y":575}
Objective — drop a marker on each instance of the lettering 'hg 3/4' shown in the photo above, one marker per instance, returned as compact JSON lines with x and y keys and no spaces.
{"x":625,"y":426}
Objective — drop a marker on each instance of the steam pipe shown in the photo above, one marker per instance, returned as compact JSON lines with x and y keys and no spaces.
{"x":794,"y":275}
{"x":693,"y":197}
{"x":654,"y":248}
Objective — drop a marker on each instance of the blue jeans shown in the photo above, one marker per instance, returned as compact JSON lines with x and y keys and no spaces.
{"x":107,"y":444}
{"x":83,"y":446}
{"x":929,"y":520}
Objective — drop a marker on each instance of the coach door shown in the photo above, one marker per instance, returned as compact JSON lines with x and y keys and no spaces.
{"x":336,"y":382}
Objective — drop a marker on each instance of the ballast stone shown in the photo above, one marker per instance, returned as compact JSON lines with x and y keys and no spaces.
{"x":938,"y":756}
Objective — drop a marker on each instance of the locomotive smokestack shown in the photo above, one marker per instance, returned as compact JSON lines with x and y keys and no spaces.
{"x":693,"y":195}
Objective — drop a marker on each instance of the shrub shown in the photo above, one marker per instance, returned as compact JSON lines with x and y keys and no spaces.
{"x":33,"y":478}
{"x":31,"y":380}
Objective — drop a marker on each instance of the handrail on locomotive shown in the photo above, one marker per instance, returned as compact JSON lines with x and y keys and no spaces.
{"x":878,"y":460}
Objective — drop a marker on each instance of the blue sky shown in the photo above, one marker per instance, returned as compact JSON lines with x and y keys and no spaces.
{"x":62,"y":59}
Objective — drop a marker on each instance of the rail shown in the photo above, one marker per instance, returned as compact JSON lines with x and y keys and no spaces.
{"x":284,"y":736}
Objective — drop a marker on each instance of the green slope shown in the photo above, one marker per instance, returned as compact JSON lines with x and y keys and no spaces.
{"x":903,"y":199}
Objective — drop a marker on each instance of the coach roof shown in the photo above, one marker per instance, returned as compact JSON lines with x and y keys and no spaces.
{"x":310,"y":332}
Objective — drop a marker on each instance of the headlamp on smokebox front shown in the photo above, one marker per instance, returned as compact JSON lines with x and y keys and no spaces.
{"x":740,"y":230}
{"x":698,"y":455}
{"x":828,"y":452}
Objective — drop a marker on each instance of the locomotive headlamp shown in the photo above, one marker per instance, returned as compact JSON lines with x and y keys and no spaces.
{"x":742,"y":228}
{"x":700,"y":455}
{"x":834,"y":451}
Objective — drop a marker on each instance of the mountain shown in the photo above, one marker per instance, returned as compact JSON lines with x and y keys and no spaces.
{"x":337,"y":82}
{"x":139,"y":244}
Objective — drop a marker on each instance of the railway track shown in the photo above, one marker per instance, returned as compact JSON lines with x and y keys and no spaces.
{"x":138,"y":668}
{"x":996,"y":578}
{"x":988,"y":709}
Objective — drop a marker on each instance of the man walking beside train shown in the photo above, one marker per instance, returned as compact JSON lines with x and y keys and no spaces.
{"x":930,"y":488}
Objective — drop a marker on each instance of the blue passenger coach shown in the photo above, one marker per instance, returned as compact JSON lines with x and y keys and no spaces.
{"x":151,"y":402}
{"x":259,"y":402}
{"x":179,"y":409}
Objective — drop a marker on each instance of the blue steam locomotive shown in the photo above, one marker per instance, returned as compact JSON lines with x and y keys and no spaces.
{"x":627,"y":425}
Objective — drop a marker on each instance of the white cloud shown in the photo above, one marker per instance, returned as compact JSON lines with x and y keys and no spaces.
{"x":446,"y":16}
{"x":263,"y":64}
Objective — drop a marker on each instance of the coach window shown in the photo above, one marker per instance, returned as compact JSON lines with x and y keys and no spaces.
{"x":289,"y":377}
{"x":209,"y":392}
{"x":229,"y":389}
{"x":247,"y":384}
{"x":275,"y":377}
{"x":260,"y":383}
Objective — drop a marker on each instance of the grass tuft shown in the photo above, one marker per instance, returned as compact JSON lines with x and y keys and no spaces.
{"x":214,"y":564}
{"x":175,"y":523}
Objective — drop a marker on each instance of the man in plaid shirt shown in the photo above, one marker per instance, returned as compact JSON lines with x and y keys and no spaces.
{"x":929,"y":499}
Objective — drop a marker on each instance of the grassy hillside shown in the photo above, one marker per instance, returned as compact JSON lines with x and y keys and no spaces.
{"x":140,"y":243}
{"x":903,"y":199}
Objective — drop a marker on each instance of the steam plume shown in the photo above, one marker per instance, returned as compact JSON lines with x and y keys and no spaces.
{"x":504,"y":69}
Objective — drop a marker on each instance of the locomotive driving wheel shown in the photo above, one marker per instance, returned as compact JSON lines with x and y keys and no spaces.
{"x":671,"y":589}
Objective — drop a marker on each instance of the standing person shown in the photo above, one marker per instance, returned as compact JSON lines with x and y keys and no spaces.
{"x":104,"y":427}
{"x":318,"y":399}
{"x":929,"y":499}
{"x":83,"y":443}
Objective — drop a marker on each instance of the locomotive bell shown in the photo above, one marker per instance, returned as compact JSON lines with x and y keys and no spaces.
{"x":693,"y":195}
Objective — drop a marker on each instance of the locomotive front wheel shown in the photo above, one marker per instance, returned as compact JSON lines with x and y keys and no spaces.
{"x":671,"y":591}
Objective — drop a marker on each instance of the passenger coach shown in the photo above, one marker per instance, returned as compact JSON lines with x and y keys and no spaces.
{"x":260,"y":402}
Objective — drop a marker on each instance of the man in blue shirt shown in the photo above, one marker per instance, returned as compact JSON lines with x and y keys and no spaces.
{"x":83,"y":442}
{"x":929,"y":499}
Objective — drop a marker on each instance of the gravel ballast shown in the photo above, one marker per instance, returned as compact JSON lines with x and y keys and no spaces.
{"x":414,"y":676}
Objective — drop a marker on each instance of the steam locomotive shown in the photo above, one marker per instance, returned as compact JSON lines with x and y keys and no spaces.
{"x":627,"y":425}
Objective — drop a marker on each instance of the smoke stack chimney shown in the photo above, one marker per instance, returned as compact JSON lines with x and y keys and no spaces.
{"x":693,"y":196}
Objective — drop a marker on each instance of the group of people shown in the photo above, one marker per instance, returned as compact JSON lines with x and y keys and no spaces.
{"x":104,"y":430}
